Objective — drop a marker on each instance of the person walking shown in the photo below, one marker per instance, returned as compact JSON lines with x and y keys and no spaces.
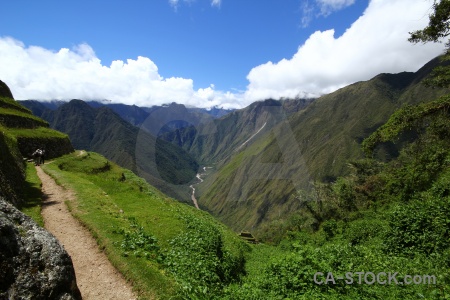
{"x":42,"y":155}
{"x":37,"y":155}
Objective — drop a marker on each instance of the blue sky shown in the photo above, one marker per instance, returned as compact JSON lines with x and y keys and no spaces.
{"x":204,"y":52}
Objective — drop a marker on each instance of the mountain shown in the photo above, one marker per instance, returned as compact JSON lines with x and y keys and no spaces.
{"x":257,"y":184}
{"x":215,"y":111}
{"x":133,"y":114}
{"x":175,"y":116}
{"x":212,"y":141}
{"x":101,"y":130}
{"x":261,"y":156}
{"x":160,"y":245}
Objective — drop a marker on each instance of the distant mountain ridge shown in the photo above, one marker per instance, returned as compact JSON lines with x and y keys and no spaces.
{"x":260,"y":156}
{"x":101,"y":130}
{"x":214,"y":140}
{"x":258,"y":184}
{"x":133,"y":114}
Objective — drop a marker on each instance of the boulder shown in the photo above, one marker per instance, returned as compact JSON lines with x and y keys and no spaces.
{"x":33,"y":264}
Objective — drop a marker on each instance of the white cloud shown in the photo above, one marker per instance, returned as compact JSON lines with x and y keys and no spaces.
{"x":175,"y":3}
{"x":308,"y":13}
{"x":329,"y":6}
{"x":37,"y":73}
{"x":320,"y":8}
{"x":216,"y":3}
{"x":375,"y":43}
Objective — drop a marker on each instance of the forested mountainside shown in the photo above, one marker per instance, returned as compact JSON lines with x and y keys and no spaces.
{"x":259,"y":156}
{"x":211,"y":141}
{"x":259,"y":182}
{"x":163,"y":164}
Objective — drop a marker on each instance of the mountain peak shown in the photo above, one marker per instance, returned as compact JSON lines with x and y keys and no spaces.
{"x":5,"y":91}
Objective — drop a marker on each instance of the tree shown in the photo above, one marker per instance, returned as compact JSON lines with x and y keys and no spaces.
{"x":413,"y":117}
{"x":439,"y":26}
{"x":437,"y":30}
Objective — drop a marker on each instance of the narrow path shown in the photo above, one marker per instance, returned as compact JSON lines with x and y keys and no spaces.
{"x":96,"y":277}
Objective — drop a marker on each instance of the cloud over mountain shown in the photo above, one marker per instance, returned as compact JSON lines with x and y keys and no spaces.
{"x":37,"y":73}
{"x":375,"y":43}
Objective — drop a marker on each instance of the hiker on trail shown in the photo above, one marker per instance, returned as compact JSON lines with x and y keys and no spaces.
{"x":42,"y":155}
{"x":37,"y":155}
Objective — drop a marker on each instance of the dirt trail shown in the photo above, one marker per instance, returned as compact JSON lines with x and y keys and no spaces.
{"x":96,"y":277}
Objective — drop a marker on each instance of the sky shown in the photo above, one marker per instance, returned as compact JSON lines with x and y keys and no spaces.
{"x":204,"y":53}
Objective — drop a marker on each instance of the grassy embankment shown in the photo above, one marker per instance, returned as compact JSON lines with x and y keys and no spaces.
{"x":165,"y":248}
{"x":20,"y":133}
{"x":32,"y":195}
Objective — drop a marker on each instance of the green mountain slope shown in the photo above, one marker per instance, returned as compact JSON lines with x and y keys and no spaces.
{"x":163,"y":164}
{"x":258,"y":184}
{"x":167,"y":249}
{"x":214,"y":140}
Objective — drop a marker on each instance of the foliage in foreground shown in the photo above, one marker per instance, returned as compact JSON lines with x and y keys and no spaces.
{"x":384,"y":217}
{"x":167,"y":249}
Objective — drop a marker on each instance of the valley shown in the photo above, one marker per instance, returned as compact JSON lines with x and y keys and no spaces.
{"x":263,"y":156}
{"x":148,"y":202}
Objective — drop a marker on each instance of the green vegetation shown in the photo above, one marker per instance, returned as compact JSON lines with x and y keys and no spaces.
{"x":40,"y":133}
{"x":12,"y":169}
{"x":5,"y":91}
{"x":8,"y":102}
{"x":386,"y":214}
{"x":384,"y":217}
{"x":19,"y":117}
{"x":162,"y":164}
{"x":387,"y":217}
{"x":167,"y":249}
{"x":327,"y":134}
{"x":32,"y":195}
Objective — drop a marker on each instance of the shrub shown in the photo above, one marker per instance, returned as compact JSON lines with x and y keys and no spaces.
{"x":423,"y":226}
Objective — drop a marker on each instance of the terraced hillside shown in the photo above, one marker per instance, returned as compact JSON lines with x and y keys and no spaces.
{"x":21,"y":133}
{"x":34,"y":265}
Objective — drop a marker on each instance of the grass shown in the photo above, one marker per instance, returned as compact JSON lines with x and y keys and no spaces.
{"x":40,"y":132}
{"x":20,"y":113}
{"x":104,"y":205}
{"x":11,"y":103}
{"x":327,"y":134}
{"x":32,"y":195}
{"x":116,"y":205}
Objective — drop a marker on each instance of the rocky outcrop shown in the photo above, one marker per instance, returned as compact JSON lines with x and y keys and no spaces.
{"x":33,"y":263}
{"x":4,"y":90}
